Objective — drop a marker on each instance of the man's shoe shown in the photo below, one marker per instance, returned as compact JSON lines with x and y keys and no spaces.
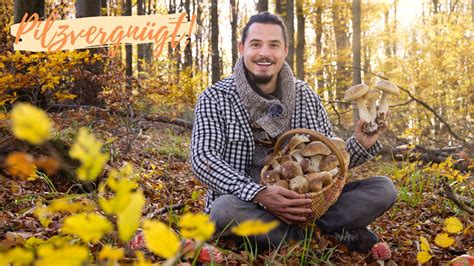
{"x":358,"y":239}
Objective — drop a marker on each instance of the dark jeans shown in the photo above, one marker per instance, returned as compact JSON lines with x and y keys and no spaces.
{"x":359,"y":204}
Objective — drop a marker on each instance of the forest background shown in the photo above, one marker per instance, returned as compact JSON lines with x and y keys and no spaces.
{"x":141,"y":108}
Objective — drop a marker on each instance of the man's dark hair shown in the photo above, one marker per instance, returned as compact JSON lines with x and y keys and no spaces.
{"x":265,"y":18}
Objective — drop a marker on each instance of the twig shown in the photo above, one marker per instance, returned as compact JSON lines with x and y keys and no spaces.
{"x":165,"y":209}
{"x":450,"y":194}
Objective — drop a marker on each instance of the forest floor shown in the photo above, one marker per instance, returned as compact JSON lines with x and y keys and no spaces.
{"x":160,"y":156}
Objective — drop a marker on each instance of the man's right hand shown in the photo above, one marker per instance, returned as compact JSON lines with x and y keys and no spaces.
{"x":285,"y":204}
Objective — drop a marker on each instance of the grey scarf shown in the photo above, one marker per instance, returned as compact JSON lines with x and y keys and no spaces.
{"x":271,"y":115}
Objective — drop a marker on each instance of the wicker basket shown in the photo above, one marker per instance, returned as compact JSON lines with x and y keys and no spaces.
{"x":325,"y":198}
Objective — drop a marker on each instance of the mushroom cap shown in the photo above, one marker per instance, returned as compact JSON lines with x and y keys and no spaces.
{"x":340,"y":143}
{"x":316,"y":147}
{"x":296,"y":140}
{"x":269,"y":158}
{"x":329,"y":162}
{"x":285,"y":158}
{"x":305,"y":164}
{"x":282,"y":183}
{"x":290,"y":169}
{"x":271,"y":176}
{"x":355,"y":92}
{"x":372,"y":95}
{"x":334,"y":171}
{"x":324,"y":177}
{"x":299,"y":184}
{"x":387,"y":86}
{"x":315,"y":185}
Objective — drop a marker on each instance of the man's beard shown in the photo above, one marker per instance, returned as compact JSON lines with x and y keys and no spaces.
{"x":261,"y":80}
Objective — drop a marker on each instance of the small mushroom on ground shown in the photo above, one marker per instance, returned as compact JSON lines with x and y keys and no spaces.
{"x":324,"y":177}
{"x":329,"y":162}
{"x":387,"y":88}
{"x":315,"y":147}
{"x":299,"y":184}
{"x":371,"y":97}
{"x":290,"y":169}
{"x":282,"y":183}
{"x":356,"y":93}
{"x":297,"y":140}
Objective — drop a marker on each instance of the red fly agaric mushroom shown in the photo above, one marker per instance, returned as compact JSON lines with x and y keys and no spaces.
{"x":387,"y":88}
{"x":290,"y":169}
{"x":371,"y":98}
{"x":299,"y":184}
{"x":381,"y":251}
{"x":356,"y":93}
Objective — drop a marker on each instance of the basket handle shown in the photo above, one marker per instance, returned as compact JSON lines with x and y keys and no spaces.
{"x":320,"y":137}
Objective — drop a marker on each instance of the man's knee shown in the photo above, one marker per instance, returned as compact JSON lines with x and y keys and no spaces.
{"x":223,"y":210}
{"x":387,"y":190}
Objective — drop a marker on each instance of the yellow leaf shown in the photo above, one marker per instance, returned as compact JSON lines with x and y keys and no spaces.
{"x":18,"y":256}
{"x":30,"y":123}
{"x":453,"y":225}
{"x":20,"y":164}
{"x":43,"y":214}
{"x":161,"y":240}
{"x":64,"y":205}
{"x":444,"y":240}
{"x":87,"y":149}
{"x":72,"y":255}
{"x":254,"y":227}
{"x":197,"y":226}
{"x":141,"y":261}
{"x":423,"y":257}
{"x":425,"y":246}
{"x":110,"y":253}
{"x":128,"y":219}
{"x":119,"y":182}
{"x":90,"y":227}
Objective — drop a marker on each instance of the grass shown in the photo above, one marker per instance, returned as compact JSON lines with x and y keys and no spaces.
{"x":176,"y":146}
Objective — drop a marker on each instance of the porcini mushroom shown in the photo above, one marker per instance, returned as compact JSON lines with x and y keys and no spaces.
{"x":324,"y":177}
{"x":356,"y":93}
{"x":338,"y":142}
{"x":271,"y":176}
{"x":272,"y":160}
{"x":299,"y":184}
{"x":305,"y":164}
{"x":296,"y":153}
{"x":315,"y":185}
{"x":290,"y":169}
{"x":371,"y":98}
{"x":328,"y":163}
{"x":315,"y":161}
{"x":297,"y":140}
{"x":315,"y":147}
{"x":387,"y":88}
{"x":282,"y":183}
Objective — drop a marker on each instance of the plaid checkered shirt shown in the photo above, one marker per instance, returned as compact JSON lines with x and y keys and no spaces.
{"x":222,"y":144}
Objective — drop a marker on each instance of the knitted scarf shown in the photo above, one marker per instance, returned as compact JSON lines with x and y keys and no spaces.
{"x":273,"y":115}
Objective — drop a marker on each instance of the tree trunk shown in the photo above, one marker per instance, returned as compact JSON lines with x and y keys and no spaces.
{"x":340,"y":14}
{"x":279,"y":4}
{"x":30,"y":7}
{"x":188,"y":54}
{"x":290,"y":24}
{"x":103,"y":5}
{"x":356,"y":72}
{"x":319,"y":45}
{"x":233,"y":24}
{"x":300,"y":40}
{"x":215,"y":42}
{"x":262,"y":6}
{"x":127,"y":11}
{"x":472,"y":11}
{"x":86,"y":89}
{"x":141,"y":47}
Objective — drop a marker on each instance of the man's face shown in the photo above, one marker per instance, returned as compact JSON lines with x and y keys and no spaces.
{"x":264,"y":52}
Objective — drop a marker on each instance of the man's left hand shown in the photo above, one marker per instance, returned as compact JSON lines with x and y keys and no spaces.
{"x":364,"y":139}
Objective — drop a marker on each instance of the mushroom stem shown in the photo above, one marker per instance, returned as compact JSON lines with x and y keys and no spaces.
{"x":383,"y":108}
{"x":363,"y":111}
